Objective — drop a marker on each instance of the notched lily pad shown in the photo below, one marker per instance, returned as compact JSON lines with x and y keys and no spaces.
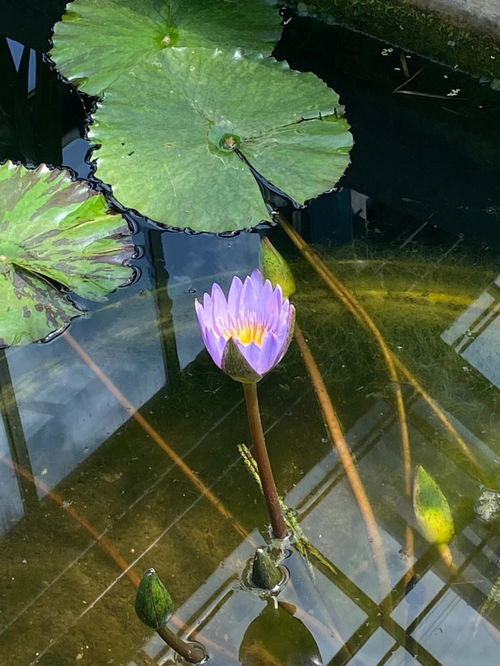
{"x":54,"y":231}
{"x":276,"y":637}
{"x":173,"y":156}
{"x":99,"y":40}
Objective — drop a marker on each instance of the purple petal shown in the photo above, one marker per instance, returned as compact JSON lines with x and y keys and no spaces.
{"x":249,"y":301}
{"x":273,"y":313}
{"x":234,"y":296}
{"x":207,"y":300}
{"x":256,"y":276}
{"x":283,"y":325}
{"x":207,"y":310}
{"x":266,"y":295}
{"x":261,"y":358}
{"x":252,"y":354}
{"x":255,"y":297}
{"x":286,"y":331}
{"x":215,"y":344}
{"x":199,"y":310}
{"x":219,"y":309}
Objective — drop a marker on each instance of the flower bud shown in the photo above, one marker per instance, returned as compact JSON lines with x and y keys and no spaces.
{"x":275,"y":268}
{"x":153,"y":603}
{"x":432,"y":510}
{"x":265,"y":572}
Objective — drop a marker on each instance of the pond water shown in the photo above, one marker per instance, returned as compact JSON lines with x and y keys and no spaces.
{"x":93,"y":491}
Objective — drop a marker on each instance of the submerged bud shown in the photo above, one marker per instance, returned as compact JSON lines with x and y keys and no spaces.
{"x":275,"y":268}
{"x":153,"y":603}
{"x":432,"y":509}
{"x":265,"y":573}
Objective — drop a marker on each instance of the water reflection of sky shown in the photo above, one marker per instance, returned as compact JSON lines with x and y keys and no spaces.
{"x":475,"y":335}
{"x":64,"y":410}
{"x":193,"y":262}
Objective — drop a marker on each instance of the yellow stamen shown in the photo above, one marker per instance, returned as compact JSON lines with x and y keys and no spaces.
{"x":247,"y":331}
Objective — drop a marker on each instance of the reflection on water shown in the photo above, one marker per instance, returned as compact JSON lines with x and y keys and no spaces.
{"x":68,"y":599}
{"x":194,"y":262}
{"x":109,"y":495}
{"x":475,"y":334}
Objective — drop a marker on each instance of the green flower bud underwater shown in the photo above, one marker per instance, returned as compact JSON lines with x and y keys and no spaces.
{"x":432,"y":510}
{"x":276,"y":269}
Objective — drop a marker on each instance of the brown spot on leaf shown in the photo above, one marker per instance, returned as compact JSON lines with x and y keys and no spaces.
{"x":55,"y":173}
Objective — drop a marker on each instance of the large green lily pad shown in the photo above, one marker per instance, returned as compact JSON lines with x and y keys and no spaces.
{"x":168,"y":128}
{"x":54,"y":230}
{"x":99,"y":40}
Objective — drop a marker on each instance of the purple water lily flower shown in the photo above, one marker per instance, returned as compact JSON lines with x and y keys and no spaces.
{"x":248,"y":333}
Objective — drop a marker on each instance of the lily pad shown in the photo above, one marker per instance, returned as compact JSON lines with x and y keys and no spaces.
{"x":276,"y":637}
{"x":99,"y":40}
{"x":168,"y":131}
{"x":54,"y":230}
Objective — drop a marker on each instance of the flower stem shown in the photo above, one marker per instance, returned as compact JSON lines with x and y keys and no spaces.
{"x":192,"y":652}
{"x":280,"y":530}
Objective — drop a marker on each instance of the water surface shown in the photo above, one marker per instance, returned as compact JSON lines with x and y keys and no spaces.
{"x":412,"y":234}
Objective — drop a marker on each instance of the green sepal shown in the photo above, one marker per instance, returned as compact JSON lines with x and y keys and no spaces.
{"x":432,"y":510}
{"x":153,"y":603}
{"x":236,"y":366}
{"x":275,"y":268}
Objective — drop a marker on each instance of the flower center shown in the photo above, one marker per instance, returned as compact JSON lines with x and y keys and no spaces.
{"x":247,"y":331}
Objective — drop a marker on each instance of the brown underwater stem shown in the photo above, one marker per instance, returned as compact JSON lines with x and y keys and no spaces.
{"x":278,"y":524}
{"x":155,"y":435}
{"x":101,"y":540}
{"x":444,"y":420}
{"x":355,"y":308}
{"x":335,"y":429}
{"x":191,"y":652}
{"x":103,"y":543}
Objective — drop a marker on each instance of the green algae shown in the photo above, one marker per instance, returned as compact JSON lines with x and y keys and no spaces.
{"x":450,"y":40}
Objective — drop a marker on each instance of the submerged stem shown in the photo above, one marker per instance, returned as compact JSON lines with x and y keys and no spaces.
{"x":154,"y":434}
{"x":466,"y":451}
{"x":280,"y":530}
{"x":335,"y":429}
{"x":358,"y":311}
{"x":104,"y":543}
{"x":363,"y":317}
{"x":192,"y":652}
